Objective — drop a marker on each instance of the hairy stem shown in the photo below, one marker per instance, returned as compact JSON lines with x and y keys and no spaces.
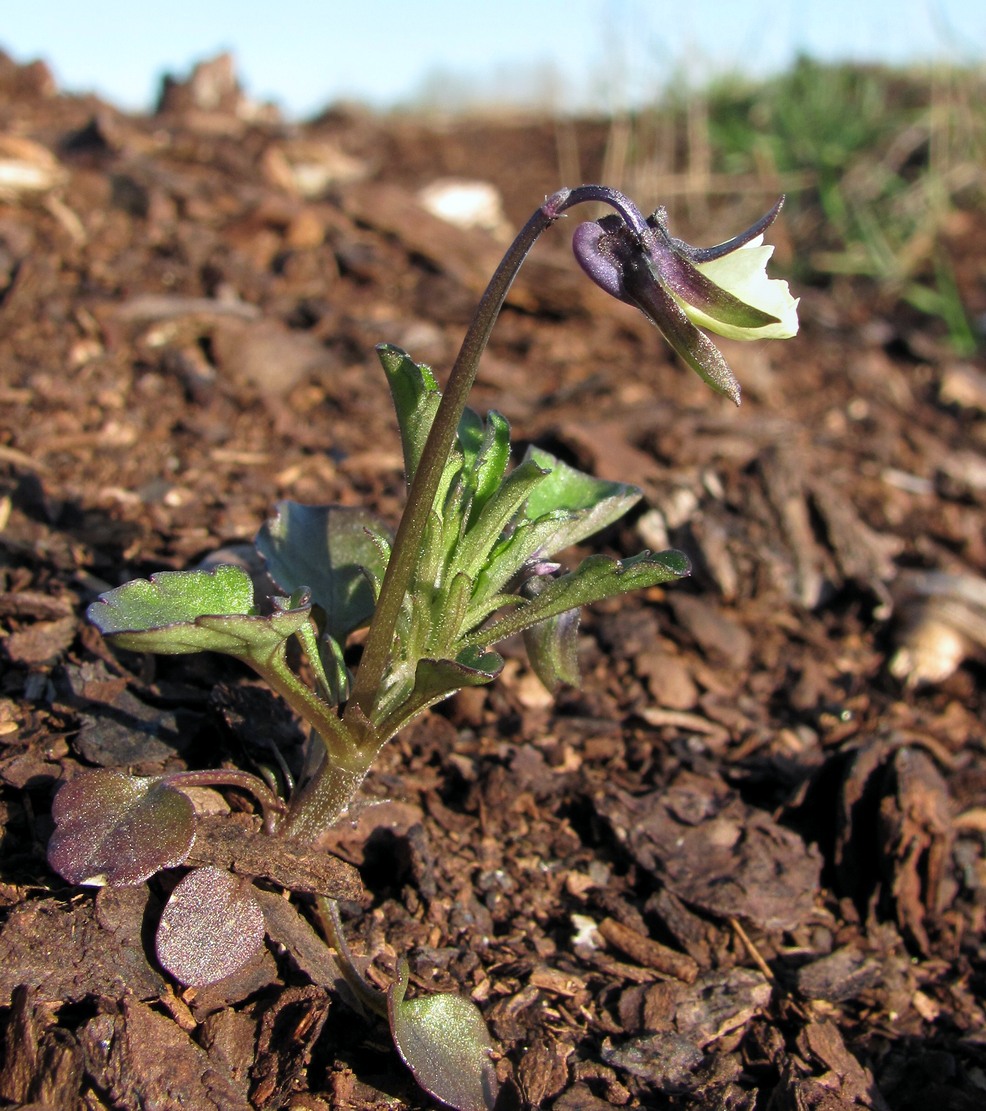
{"x":270,"y":804}
{"x":336,"y":736}
{"x":421,"y":495}
{"x":320,"y":803}
{"x":371,"y":998}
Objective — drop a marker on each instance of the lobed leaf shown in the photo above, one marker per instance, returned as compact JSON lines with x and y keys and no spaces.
{"x":171,"y":598}
{"x":211,"y":926}
{"x":176,"y":612}
{"x":443,"y":1040}
{"x":117,"y":830}
{"x":416,"y":399}
{"x":586,"y":504}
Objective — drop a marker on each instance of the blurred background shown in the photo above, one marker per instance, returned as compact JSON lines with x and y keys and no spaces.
{"x":871,"y":116}
{"x":576,"y":56}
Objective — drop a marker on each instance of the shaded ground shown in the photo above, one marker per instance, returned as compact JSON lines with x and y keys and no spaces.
{"x":742,"y":867}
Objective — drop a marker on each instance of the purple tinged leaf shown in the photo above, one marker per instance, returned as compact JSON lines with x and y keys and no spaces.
{"x":210,"y":928}
{"x":552,"y":649}
{"x":552,"y":646}
{"x":117,"y":830}
{"x":443,"y":1040}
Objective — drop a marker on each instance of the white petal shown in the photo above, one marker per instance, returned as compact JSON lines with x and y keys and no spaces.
{"x":744,"y":274}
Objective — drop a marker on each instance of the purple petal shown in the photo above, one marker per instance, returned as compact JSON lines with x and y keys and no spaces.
{"x":698,"y":351}
{"x":676,"y":271}
{"x":595,"y":247}
{"x":707,"y":254}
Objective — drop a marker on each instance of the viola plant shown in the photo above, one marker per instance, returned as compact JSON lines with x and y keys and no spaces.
{"x":472,"y":563}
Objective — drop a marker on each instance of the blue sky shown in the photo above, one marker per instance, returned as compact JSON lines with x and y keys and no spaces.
{"x":304,"y":54}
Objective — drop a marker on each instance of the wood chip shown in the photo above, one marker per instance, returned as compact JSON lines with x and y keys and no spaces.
{"x":650,"y":953}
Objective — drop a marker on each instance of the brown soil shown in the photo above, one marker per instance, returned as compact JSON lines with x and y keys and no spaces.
{"x":742,"y":867}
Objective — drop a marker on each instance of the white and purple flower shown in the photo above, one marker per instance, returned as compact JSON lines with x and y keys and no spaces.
{"x":682,"y":289}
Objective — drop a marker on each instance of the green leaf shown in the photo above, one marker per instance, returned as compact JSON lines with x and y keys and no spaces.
{"x":596,"y":578}
{"x":472,"y":554}
{"x":175,"y":612}
{"x":337,"y":552}
{"x":434,"y":679}
{"x":470,"y":436}
{"x":416,"y":398}
{"x":490,"y":464}
{"x":327,"y":661}
{"x":588,"y":504}
{"x":446,"y":620}
{"x":172,"y":598}
{"x":437,"y":679}
{"x":512,"y":554}
{"x":561,"y":510}
{"x":117,"y":830}
{"x":443,"y":1040}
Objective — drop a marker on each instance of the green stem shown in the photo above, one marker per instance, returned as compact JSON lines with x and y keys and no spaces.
{"x":320,"y":803}
{"x":372,"y":998}
{"x":421,"y":496}
{"x":336,"y":735}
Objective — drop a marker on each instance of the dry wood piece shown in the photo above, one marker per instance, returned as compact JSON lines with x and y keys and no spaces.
{"x":289,"y":1030}
{"x":895,"y":831}
{"x":93,"y":947}
{"x":240,"y":847}
{"x":143,"y":1059}
{"x":782,"y":471}
{"x":542,"y":1072}
{"x":27,"y":168}
{"x":720,"y":1003}
{"x":716,"y":853}
{"x":841,"y":975}
{"x":839,"y":1083}
{"x":648,"y":952}
{"x":39,"y":1063}
{"x":940,"y":623}
{"x":915,"y":841}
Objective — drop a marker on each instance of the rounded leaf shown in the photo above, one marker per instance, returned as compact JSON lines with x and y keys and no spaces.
{"x":337,"y":552}
{"x":210,"y":928}
{"x":116,"y":830}
{"x":443,"y":1040}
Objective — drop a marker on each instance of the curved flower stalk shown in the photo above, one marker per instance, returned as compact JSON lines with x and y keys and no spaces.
{"x":680,"y":288}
